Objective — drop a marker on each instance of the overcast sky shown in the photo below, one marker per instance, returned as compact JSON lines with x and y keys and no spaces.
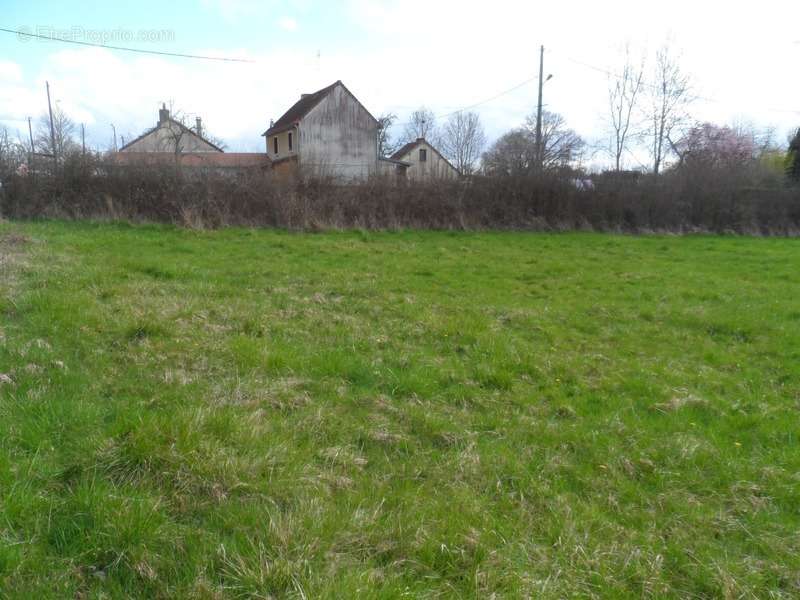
{"x":394,"y":55}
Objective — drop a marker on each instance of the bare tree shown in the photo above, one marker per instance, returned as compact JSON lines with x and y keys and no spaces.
{"x":386,"y":147}
{"x":421,"y":124}
{"x":176,"y":136}
{"x":463,"y":140}
{"x":11,"y":154}
{"x":560,"y":144}
{"x":623,"y":96}
{"x":670,"y":96}
{"x":63,"y":131}
{"x":515,"y":152}
{"x":206,"y":134}
{"x":763,"y":138}
{"x":172,"y":136}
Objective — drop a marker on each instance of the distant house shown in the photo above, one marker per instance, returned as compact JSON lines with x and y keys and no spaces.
{"x":171,"y":136}
{"x":425,"y":162}
{"x":328,"y":133}
{"x":170,"y":142}
{"x":220,"y":163}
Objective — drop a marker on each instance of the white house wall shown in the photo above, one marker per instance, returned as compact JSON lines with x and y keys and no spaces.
{"x":338,"y":137}
{"x":163,"y":139}
{"x":435,"y":167}
{"x":283,"y":145}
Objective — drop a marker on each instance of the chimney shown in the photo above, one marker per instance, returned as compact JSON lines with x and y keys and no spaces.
{"x":199,"y":126}
{"x":163,"y":114}
{"x":420,"y":139}
{"x":271,"y":123}
{"x":304,"y":96}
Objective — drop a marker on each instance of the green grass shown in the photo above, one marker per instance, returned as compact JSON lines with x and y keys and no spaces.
{"x":240,"y":413}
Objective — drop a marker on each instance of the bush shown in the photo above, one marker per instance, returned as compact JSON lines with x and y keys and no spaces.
{"x":684,"y":200}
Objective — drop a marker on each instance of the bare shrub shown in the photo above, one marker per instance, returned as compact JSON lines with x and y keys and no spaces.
{"x":682,"y":200}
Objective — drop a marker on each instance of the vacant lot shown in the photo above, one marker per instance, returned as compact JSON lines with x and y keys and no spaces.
{"x":262,"y":414}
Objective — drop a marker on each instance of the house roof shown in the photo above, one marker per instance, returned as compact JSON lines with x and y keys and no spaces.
{"x":179,"y":124}
{"x":407,"y":148}
{"x":394,"y":161}
{"x":304,"y":106}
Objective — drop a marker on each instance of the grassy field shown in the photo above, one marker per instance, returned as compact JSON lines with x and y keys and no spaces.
{"x":263,"y":414}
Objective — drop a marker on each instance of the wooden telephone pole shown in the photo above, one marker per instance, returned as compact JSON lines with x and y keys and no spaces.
{"x":539,"y":153}
{"x":30,"y":134}
{"x":52,"y":129}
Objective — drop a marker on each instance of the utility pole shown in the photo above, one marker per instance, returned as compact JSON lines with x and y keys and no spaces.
{"x":30,"y":134}
{"x":539,"y":152}
{"x":83,"y":139}
{"x":114,"y":129}
{"x":52,"y":129}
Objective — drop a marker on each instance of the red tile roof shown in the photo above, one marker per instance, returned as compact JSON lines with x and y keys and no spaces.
{"x":212,"y":160}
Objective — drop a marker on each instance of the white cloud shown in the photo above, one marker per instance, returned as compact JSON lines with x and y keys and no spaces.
{"x":233,"y":10}
{"x":10,"y":72}
{"x":99,"y":87}
{"x":16,"y":98}
{"x":456,"y":52}
{"x":287,"y":24}
{"x":448,"y":55}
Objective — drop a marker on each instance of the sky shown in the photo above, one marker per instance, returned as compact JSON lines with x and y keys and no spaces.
{"x":394,"y":55}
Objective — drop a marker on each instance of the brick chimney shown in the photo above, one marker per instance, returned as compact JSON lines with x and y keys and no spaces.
{"x":163,"y":114}
{"x":199,"y":126}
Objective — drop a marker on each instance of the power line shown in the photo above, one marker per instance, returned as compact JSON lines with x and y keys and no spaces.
{"x":653,"y":86}
{"x":495,"y":97}
{"x":481,"y":103}
{"x":123,"y":48}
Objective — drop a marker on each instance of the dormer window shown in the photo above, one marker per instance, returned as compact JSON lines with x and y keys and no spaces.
{"x":423,"y":155}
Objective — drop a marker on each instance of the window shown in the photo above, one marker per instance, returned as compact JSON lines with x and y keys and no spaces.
{"x":275,"y":144}
{"x":290,"y":141}
{"x":423,"y":155}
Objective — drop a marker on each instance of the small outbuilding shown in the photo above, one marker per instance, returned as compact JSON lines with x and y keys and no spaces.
{"x":425,"y":162}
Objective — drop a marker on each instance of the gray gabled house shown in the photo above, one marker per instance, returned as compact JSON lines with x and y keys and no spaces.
{"x":327,"y":133}
{"x":425,"y":162}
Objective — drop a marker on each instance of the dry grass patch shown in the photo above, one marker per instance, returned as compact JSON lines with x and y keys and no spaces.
{"x":242,"y":413}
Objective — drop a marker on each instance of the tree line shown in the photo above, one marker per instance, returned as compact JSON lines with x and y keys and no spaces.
{"x":648,"y":113}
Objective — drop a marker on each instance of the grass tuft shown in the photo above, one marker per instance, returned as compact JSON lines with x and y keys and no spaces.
{"x":256,"y":414}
